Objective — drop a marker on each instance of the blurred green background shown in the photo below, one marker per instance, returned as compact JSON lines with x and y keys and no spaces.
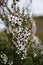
{"x":39,"y":24}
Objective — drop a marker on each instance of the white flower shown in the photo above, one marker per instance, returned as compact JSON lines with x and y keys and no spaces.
{"x":11,"y":62}
{"x":35,"y":54}
{"x":5,"y":58}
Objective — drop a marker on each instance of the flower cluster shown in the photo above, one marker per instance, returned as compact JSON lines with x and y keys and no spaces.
{"x":20,"y":33}
{"x":21,"y":30}
{"x":5,"y":59}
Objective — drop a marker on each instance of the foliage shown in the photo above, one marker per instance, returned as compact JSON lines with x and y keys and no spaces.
{"x":18,"y":47}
